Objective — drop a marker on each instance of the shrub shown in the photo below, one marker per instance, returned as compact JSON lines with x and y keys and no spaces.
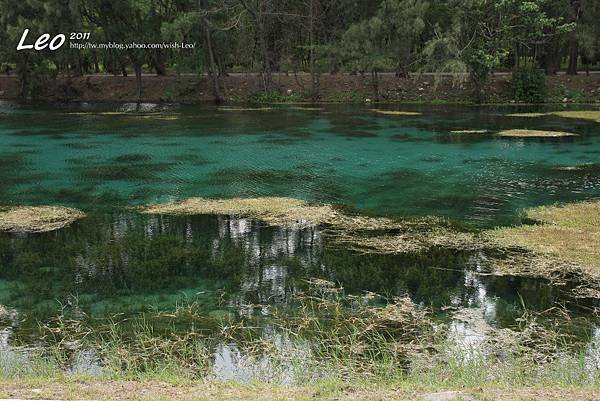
{"x":529,"y":85}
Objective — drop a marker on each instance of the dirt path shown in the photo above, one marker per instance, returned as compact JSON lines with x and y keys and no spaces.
{"x":134,"y":390}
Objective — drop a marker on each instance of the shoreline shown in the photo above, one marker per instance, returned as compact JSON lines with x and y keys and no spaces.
{"x":290,"y":89}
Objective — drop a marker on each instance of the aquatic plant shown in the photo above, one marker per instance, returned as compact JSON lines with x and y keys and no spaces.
{"x":233,"y":108}
{"x":364,"y":233}
{"x":593,"y":115}
{"x":326,"y":335}
{"x":396,"y":112}
{"x":36,"y":219}
{"x":470,"y":131}
{"x":532,"y":115}
{"x":529,"y":133}
{"x":272,"y":210}
{"x":565,"y":241}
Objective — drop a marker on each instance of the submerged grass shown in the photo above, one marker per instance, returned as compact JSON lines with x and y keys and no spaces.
{"x":37,"y":219}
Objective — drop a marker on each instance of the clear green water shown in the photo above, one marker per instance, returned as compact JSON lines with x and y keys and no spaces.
{"x":117,"y":261}
{"x":348,"y":155}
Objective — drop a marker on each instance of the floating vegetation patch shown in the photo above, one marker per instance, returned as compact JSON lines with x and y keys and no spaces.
{"x":136,"y":114}
{"x":164,"y":117}
{"x":306,"y":108}
{"x":531,"y":115}
{"x":231,"y":108}
{"x":529,"y":133}
{"x":397,"y":113}
{"x":272,"y":210}
{"x":470,"y":131}
{"x":361,"y":233}
{"x":564,"y":242}
{"x":593,"y":115}
{"x":37,"y":219}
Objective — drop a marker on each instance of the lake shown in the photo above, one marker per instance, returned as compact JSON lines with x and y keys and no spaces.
{"x":105,"y":158}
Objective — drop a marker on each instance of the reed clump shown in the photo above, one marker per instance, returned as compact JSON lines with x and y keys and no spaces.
{"x":37,"y":219}
{"x":323,"y":334}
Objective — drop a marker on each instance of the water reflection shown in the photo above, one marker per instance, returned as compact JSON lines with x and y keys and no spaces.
{"x":126,"y":263}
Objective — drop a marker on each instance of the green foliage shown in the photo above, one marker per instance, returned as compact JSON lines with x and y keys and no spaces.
{"x":468,"y":39}
{"x":276,"y":97}
{"x":529,"y":85}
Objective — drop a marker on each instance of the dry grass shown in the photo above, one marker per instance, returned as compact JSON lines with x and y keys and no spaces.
{"x":530,"y":133}
{"x":231,"y":108}
{"x":593,"y":115}
{"x":397,"y":113}
{"x":37,"y":219}
{"x":470,"y":131}
{"x":277,"y":211}
{"x":532,"y":115}
{"x":362,"y":233}
{"x":566,"y":241}
{"x":89,"y":388}
{"x":306,"y":108}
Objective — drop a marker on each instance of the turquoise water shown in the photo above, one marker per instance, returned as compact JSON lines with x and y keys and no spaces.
{"x":348,"y":155}
{"x":96,"y":158}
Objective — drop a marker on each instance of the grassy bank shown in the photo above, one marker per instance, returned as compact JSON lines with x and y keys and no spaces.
{"x":329,"y":345}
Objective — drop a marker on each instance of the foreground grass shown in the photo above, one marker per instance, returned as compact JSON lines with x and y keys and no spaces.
{"x":89,"y":388}
{"x":331,"y":346}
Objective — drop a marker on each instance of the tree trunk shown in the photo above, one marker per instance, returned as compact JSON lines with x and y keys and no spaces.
{"x":137,"y":68}
{"x":214,"y":70}
{"x":573,"y":56}
{"x":573,"y":39}
{"x":375,"y":82}
{"x":266,"y":63}
{"x":314,"y":82}
{"x":158,"y":63}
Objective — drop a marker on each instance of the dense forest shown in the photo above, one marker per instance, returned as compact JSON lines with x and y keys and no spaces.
{"x":468,"y":39}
